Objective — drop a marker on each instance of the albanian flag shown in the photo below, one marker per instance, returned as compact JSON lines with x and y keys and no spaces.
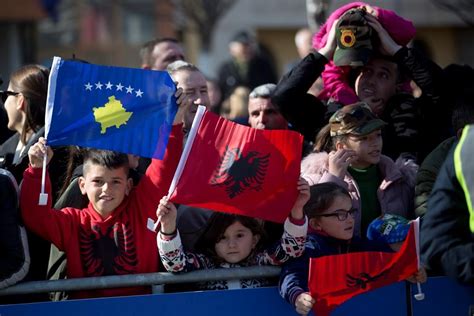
{"x":233,"y":168}
{"x":335,"y":279}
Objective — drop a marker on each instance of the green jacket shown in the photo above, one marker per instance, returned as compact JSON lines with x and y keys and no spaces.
{"x":427,"y":173}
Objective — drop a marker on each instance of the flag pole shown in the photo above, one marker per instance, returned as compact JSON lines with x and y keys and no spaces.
{"x":53,"y":76}
{"x":419,"y":296}
{"x":43,"y":197}
{"x":151,"y":225}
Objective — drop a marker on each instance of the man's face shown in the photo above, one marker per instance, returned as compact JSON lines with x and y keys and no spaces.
{"x":263,"y":115}
{"x":377,"y":83}
{"x":194,"y":85}
{"x":164,"y":54}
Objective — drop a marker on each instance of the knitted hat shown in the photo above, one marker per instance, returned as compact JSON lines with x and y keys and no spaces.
{"x":353,"y":34}
{"x":355,"y":119}
{"x":388,"y":228}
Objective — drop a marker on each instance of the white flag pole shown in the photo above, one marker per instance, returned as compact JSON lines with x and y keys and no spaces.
{"x":43,"y":197}
{"x":151,"y":225}
{"x":419,"y":296}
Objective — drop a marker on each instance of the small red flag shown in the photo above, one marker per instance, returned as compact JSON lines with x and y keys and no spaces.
{"x":335,"y":279}
{"x":237,"y":169}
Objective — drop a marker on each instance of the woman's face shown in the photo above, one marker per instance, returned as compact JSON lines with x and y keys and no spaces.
{"x":14,"y":111}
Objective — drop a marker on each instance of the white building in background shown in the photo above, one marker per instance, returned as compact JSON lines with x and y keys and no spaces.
{"x":275,"y":22}
{"x":111,"y":32}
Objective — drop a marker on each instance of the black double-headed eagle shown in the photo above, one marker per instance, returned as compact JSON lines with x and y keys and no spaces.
{"x":238,"y":172}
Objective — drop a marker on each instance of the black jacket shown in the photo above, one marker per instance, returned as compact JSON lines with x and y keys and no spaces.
{"x":15,"y":258}
{"x":416,"y":125}
{"x":302,"y":110}
{"x":447,"y":244}
{"x":56,"y":169}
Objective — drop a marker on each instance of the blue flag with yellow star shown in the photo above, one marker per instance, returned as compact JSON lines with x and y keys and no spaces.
{"x":122,"y":109}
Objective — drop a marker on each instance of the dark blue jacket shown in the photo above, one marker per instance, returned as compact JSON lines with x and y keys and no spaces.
{"x":294,"y":274}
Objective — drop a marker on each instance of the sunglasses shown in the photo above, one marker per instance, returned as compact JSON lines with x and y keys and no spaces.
{"x":340,"y":214}
{"x":5,"y":94}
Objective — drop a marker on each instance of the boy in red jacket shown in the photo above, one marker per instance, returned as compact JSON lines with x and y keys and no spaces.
{"x":109,"y":237}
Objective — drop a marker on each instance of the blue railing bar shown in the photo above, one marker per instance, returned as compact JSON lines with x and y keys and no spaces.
{"x":145,"y":279}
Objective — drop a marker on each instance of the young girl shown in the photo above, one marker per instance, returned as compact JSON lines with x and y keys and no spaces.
{"x":331,"y":218}
{"x":349,"y":154}
{"x":231,"y":241}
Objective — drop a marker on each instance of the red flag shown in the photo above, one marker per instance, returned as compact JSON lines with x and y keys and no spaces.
{"x":335,"y":279}
{"x":237,"y":169}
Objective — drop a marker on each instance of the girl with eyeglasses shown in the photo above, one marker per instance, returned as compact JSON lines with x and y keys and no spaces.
{"x":348,"y":152}
{"x":331,"y":219}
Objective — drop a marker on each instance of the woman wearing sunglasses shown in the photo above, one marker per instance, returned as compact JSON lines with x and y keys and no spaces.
{"x":24,"y":101}
{"x":348,"y":152}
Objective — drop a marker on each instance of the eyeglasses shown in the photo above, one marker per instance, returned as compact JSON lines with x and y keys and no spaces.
{"x":340,"y":214}
{"x":5,"y":94}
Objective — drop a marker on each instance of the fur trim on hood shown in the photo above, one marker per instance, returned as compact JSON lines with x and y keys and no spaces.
{"x":314,"y":166}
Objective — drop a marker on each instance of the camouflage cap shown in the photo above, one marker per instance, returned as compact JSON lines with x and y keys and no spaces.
{"x":353,"y":34}
{"x":355,"y":119}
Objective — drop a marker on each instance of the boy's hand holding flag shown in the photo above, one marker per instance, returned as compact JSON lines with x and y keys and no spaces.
{"x":122,"y":109}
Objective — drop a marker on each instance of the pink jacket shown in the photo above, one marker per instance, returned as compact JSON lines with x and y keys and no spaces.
{"x":396,"y":191}
{"x":335,"y":78}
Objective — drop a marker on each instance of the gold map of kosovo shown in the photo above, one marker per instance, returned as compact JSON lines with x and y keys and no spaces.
{"x":111,"y":114}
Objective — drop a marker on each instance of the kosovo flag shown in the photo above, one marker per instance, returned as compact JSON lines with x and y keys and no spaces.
{"x":237,"y":169}
{"x":335,"y":279}
{"x":122,"y":109}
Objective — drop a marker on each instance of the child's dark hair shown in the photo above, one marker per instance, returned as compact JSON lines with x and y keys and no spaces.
{"x":216,"y":227}
{"x":325,"y":142}
{"x":322,"y":195}
{"x":105,"y":158}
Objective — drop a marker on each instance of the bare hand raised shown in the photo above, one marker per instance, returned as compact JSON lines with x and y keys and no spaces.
{"x":167,"y":214}
{"x":183,"y":102}
{"x":328,"y":49}
{"x":303,"y":197}
{"x":388,"y":46}
{"x":37,"y":151}
{"x":339,"y":160}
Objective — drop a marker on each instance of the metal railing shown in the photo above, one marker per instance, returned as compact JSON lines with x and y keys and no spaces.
{"x":155,"y":280}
